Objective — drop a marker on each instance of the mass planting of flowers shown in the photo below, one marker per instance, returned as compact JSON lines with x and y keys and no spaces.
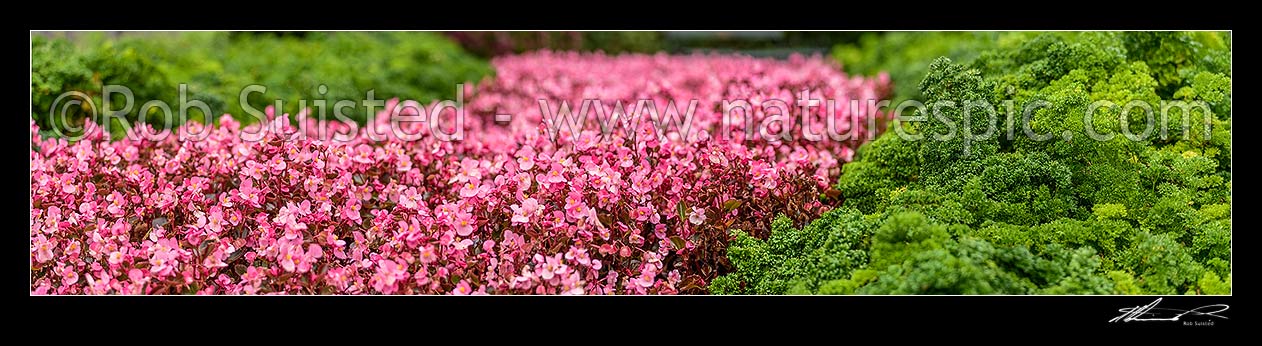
{"x":511,"y":208}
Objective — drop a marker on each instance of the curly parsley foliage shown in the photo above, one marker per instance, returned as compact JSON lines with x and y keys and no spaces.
{"x":1060,"y":213}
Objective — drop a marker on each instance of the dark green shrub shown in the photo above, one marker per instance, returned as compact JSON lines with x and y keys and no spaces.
{"x":59,"y":67}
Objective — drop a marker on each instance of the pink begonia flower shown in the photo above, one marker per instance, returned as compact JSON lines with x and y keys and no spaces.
{"x":215,"y":260}
{"x":160,"y":266}
{"x":69,"y":276}
{"x":115,"y":258}
{"x":412,"y":232}
{"x":636,"y":239}
{"x":115,"y":206}
{"x":428,"y":254}
{"x":462,"y":289}
{"x":446,"y":238}
{"x":549,"y":268}
{"x":697,"y":216}
{"x":338,"y":246}
{"x":464,"y":224}
{"x":289,"y":215}
{"x":100,"y":284}
{"x":523,"y":213}
{"x":52,"y":221}
{"x":225,"y":200}
{"x":87,"y":208}
{"x":410,"y":199}
{"x":798,"y":155}
{"x":277,"y":164}
{"x":294,"y":258}
{"x":673,"y":277}
{"x":606,"y":249}
{"x":524,"y":181}
{"x":575,"y":208}
{"x":313,"y":253}
{"x":388,"y":274}
{"x":351,"y":211}
{"x":199,"y":222}
{"x":646,"y":278}
{"x":579,"y":255}
{"x":468,"y":170}
{"x":847,"y":154}
{"x":138,"y":277}
{"x":214,"y":222}
{"x":463,"y":244}
{"x":641,"y":213}
{"x":43,"y":249}
{"x":555,"y":175}
{"x":404,"y":165}
{"x":512,"y":240}
{"x":248,"y":193}
{"x":606,"y":198}
{"x":557,"y":219}
{"x":525,"y":159}
{"x":254,"y":170}
{"x":640,"y":183}
{"x":469,"y":188}
{"x":421,"y":277}
{"x":659,"y":231}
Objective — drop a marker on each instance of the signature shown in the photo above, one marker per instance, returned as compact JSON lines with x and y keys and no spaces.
{"x":1151,"y":312}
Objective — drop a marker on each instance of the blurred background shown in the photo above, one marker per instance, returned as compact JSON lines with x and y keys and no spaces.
{"x":491,"y":43}
{"x":424,"y":66}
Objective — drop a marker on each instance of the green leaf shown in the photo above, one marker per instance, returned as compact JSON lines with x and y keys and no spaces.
{"x":731,"y":204}
{"x":201,"y":249}
{"x":682,"y":209}
{"x":235,"y":255}
{"x":678,"y":242}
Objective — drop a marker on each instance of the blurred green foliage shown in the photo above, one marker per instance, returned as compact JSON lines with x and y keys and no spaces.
{"x":905,"y":56}
{"x":215,"y":68}
{"x":993,"y":214}
{"x":492,"y":43}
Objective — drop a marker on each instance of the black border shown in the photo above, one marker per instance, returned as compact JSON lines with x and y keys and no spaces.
{"x":795,"y":15}
{"x":649,"y":314}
